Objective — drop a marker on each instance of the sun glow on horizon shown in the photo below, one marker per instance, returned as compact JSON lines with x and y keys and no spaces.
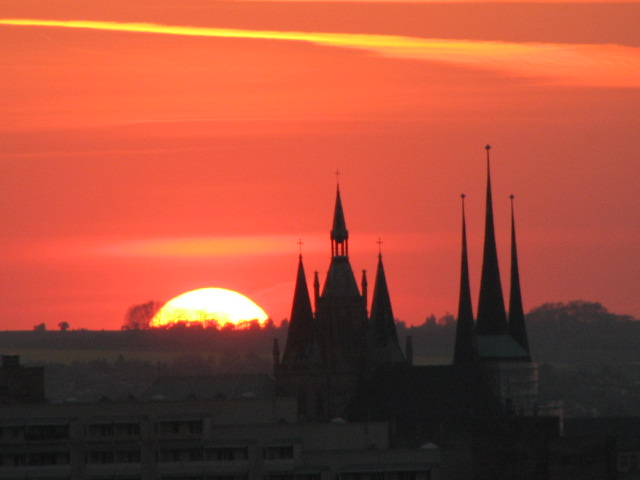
{"x":217,"y":306}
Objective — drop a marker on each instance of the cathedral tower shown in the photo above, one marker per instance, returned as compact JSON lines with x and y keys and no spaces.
{"x":330,"y":352}
{"x":502,"y":348}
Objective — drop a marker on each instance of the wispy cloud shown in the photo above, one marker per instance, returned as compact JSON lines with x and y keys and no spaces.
{"x":566,"y":64}
{"x":201,"y":247}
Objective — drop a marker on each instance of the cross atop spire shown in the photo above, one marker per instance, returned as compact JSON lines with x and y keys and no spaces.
{"x":379,"y":242}
{"x":300,"y":243}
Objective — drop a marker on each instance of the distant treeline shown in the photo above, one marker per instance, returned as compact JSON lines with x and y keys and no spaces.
{"x":555,"y":331}
{"x":589,"y":358}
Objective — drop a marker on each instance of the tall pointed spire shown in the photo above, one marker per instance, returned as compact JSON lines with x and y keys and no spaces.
{"x":340,"y":280}
{"x":465,"y":348}
{"x":339,"y":232}
{"x":300,"y":334}
{"x":385,"y":337}
{"x":517,"y":326}
{"x":492,"y":318}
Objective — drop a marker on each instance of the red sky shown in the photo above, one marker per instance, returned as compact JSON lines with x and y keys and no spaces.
{"x":152,"y":148}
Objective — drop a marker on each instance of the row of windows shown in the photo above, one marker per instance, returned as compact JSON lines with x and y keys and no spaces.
{"x":202,"y":454}
{"x":55,"y":432}
{"x":34,"y":459}
{"x":278,"y":453}
{"x":133,"y":456}
{"x":179,"y":427}
{"x":113,"y":429}
{"x":205,"y":477}
{"x":113,"y":456}
{"x":421,"y":475}
{"x":34,"y":432}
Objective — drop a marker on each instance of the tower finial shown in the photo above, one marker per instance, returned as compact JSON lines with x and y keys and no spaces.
{"x":379,"y":242}
{"x":300,"y":243}
{"x":488,"y":149}
{"x":337,"y":174}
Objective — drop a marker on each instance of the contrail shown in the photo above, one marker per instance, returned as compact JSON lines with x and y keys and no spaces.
{"x":570,"y":64}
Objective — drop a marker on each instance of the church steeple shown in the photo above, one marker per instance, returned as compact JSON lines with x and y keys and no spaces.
{"x":339,"y":232}
{"x":384,"y":334}
{"x":492,"y":318}
{"x":340,"y":280}
{"x":517,"y":326}
{"x":465,"y":347}
{"x":300,"y":334}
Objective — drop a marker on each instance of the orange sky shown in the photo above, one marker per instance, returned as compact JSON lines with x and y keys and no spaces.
{"x":150,"y":149}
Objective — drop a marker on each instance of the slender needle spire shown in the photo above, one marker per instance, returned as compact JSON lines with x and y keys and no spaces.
{"x":465,"y":350}
{"x":517,"y":326}
{"x":492,"y":318}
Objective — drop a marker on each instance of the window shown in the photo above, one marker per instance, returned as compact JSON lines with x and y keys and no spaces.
{"x":48,"y":458}
{"x":46,"y":432}
{"x":11,"y":432}
{"x":281,"y":476}
{"x":176,"y":427}
{"x":278,"y":453}
{"x":126,"y":429}
{"x":113,"y":456}
{"x":226,"y":453}
{"x":180,"y":455}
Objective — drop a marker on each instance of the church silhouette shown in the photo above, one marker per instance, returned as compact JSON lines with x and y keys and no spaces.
{"x":342,"y":362}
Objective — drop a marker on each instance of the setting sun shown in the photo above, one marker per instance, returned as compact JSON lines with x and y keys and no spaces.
{"x":209,"y":305}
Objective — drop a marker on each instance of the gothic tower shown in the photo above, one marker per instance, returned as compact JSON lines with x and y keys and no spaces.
{"x":341,"y":312}
{"x":502,"y":348}
{"x":330,"y":352}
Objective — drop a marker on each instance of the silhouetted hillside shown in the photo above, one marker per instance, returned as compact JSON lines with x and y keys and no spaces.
{"x":557,"y":331}
{"x":589,"y":357}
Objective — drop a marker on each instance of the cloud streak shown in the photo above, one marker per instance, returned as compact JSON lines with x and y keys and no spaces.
{"x":565,"y":64}
{"x":201,"y":247}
